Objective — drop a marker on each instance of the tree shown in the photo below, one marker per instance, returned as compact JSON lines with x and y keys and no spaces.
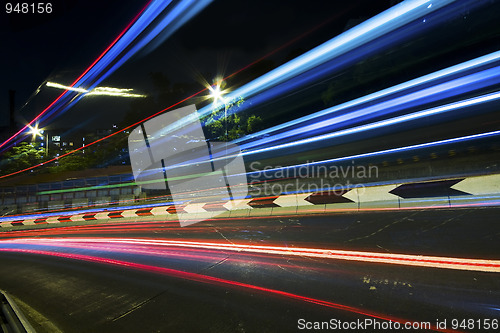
{"x":22,"y":156}
{"x":218,"y":127}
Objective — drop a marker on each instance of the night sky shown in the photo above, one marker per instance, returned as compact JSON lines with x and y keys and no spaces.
{"x":224,"y":37}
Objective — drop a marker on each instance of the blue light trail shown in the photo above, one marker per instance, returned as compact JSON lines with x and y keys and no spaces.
{"x":451,"y":72}
{"x":380,"y":25}
{"x":362,"y":114}
{"x":386,"y":151}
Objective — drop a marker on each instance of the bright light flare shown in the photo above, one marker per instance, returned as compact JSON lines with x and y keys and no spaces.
{"x":35,"y":131}
{"x":216,"y":93}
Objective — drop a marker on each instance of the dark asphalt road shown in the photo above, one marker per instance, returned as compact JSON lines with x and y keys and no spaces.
{"x":132,"y":288}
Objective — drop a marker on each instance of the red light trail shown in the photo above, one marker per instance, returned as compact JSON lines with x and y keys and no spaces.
{"x":214,"y":281}
{"x":332,"y":254}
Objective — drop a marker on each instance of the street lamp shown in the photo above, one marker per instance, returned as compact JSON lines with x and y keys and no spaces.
{"x":216,"y":93}
{"x":35,"y":131}
{"x":47,"y":144}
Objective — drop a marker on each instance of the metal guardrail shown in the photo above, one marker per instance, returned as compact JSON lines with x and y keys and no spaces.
{"x":30,"y":198}
{"x":12,"y":319}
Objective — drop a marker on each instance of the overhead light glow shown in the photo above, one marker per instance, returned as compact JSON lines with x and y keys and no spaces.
{"x":107,"y":91}
{"x":101,"y":91}
{"x":60,"y":86}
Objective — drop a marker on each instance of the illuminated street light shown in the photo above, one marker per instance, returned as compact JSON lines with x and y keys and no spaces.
{"x":216,"y":93}
{"x":35,"y":131}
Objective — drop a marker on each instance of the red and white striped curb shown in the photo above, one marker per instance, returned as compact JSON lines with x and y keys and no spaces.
{"x":393,"y":196}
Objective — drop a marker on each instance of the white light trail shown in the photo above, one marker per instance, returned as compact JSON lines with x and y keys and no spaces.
{"x":98,"y":91}
{"x":387,"y":122}
{"x":60,"y":86}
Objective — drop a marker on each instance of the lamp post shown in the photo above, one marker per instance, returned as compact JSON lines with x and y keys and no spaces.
{"x":216,"y":94}
{"x":47,"y":144}
{"x":35,"y":131}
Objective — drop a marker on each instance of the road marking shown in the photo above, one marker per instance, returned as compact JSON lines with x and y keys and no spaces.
{"x":195,"y":208}
{"x":101,"y":215}
{"x":374,"y":193}
{"x":238,"y":204}
{"x":293,"y":200}
{"x":53,"y":219}
{"x":479,"y":185}
{"x":129,"y":213}
{"x":76,"y":218}
{"x":29,"y":222}
{"x":160,"y":211}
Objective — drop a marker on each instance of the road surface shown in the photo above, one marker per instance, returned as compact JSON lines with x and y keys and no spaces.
{"x":258,"y":275}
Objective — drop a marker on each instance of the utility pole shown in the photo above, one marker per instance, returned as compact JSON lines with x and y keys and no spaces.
{"x":47,"y":144}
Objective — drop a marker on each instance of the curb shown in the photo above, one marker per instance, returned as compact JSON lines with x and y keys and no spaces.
{"x":449,"y":193}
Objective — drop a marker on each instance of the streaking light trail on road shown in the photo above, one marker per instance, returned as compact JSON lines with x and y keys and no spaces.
{"x":374,"y":257}
{"x":389,"y":20}
{"x":209,"y":280}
